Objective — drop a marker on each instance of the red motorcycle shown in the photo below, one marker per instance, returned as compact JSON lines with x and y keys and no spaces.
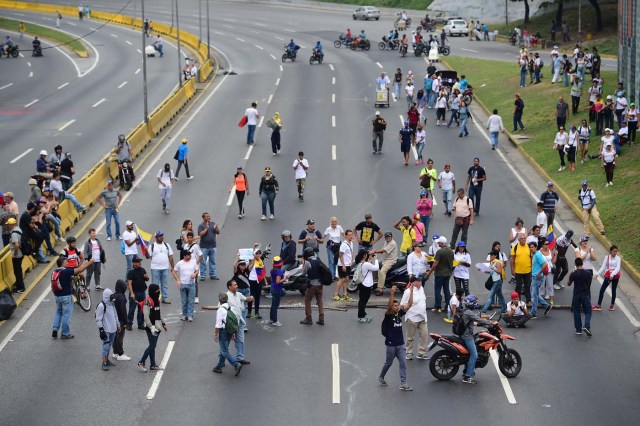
{"x":360,"y":44}
{"x":444,"y":364}
{"x":467,"y":95}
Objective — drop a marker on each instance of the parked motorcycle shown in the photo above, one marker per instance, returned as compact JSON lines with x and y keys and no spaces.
{"x":420,"y":48}
{"x":290,"y":53}
{"x":467,"y":95}
{"x":125,"y":174}
{"x":342,"y":39}
{"x":397,"y":276}
{"x":386,"y":43}
{"x":360,"y":44}
{"x":12,"y":51}
{"x":444,"y":364}
{"x":316,"y":56}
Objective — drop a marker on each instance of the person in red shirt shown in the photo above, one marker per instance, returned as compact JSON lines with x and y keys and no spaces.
{"x":74,"y":256}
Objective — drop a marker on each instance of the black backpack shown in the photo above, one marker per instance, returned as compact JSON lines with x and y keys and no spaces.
{"x":25,"y":244}
{"x":459,"y":326}
{"x":325,"y":274}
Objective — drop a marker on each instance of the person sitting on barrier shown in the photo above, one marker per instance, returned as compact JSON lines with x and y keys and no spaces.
{"x":186,"y":72}
{"x":123,"y":154}
{"x":55,"y":186}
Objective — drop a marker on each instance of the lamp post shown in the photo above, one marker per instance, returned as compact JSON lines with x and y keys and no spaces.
{"x":179,"y":52}
{"x":208,"y":44}
{"x":580,"y":22}
{"x":144,"y":69}
{"x":200,"y":20}
{"x":506,"y":14}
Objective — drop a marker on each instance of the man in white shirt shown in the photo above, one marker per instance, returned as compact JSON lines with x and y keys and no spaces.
{"x":494,"y":125}
{"x":130,"y":241}
{"x":416,"y":318}
{"x":587,"y":197}
{"x":382,"y":82}
{"x":236,"y":301}
{"x":301,"y":165}
{"x":252,"y":115}
{"x":186,"y":273}
{"x":197,"y":255}
{"x":541,"y":219}
{"x":517,"y":313}
{"x":165,"y":177}
{"x":345,"y":259}
{"x":161,"y":256}
{"x":447,"y":183}
{"x":221,"y":336}
{"x":56,"y":187}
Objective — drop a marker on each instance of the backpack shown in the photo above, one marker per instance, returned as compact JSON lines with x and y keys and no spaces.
{"x":459,"y":326}
{"x":325,"y":274}
{"x":541,"y":64}
{"x":152,"y":244}
{"x":231,"y":325}
{"x":358,"y":277}
{"x":25,"y":244}
{"x":428,"y":84}
{"x":179,"y":244}
{"x":55,"y":281}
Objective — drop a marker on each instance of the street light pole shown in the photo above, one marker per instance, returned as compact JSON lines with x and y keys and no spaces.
{"x":200,"y":20}
{"x":144,"y":69}
{"x":179,"y":52}
{"x":506,"y":14}
{"x":172,"y":15}
{"x":208,"y":48}
{"x":580,"y":22}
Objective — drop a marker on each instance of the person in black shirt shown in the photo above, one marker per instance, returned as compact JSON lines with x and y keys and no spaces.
{"x":365,"y":233}
{"x":581,"y":298}
{"x":394,"y":339}
{"x":64,"y":297}
{"x":475,"y":178}
{"x":67,"y":171}
{"x":137,"y":282}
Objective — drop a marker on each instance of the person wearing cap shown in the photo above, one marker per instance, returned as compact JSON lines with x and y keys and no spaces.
{"x":267,"y":192}
{"x":516,"y":314}
{"x":476,"y":176}
{"x":586,"y":253}
{"x":300,"y":166}
{"x":418,"y":226}
{"x":257,"y":279}
{"x":241,"y":186}
{"x":277,"y":280}
{"x":441,"y":268}
{"x":404,"y":138}
{"x":161,"y":256}
{"x":562,"y":267}
{"x":609,"y":157}
{"x":587,"y":198}
{"x":110,"y":199}
{"x":181,"y":157}
{"x":130,"y":242}
{"x":15,"y":239}
{"x":311,"y":237}
{"x":551,"y":199}
{"x":424,"y":207}
{"x":93,"y":250}
{"x":461,"y":270}
{"x":518,"y":108}
{"x":379,"y":126}
{"x":67,"y":170}
{"x":165,"y":177}
{"x":606,"y":116}
{"x":464,"y":214}
{"x":621,"y":107}
{"x":632,"y":122}
{"x":365,"y":233}
{"x":5,"y":215}
{"x":42,"y":166}
{"x":10,"y":203}
{"x":275,"y":124}
{"x":137,"y":279}
{"x":36,"y":192}
{"x":123,"y":154}
{"x":584,"y":135}
{"x":389,"y":253}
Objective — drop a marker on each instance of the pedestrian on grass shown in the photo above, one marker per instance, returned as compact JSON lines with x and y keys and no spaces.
{"x":300,"y":166}
{"x":110,"y":199}
{"x":208,"y":231}
{"x":632,"y":122}
{"x":464,"y":214}
{"x":120,"y":302}
{"x":495,"y":126}
{"x":252,"y":115}
{"x":560,"y":142}
{"x":609,"y":158}
{"x":241,"y":186}
{"x":165,"y":177}
{"x":576,"y":93}
{"x":442,"y":268}
{"x":181,"y":156}
{"x":93,"y":250}
{"x":572,"y":147}
{"x":64,"y":297}
{"x":476,"y":176}
{"x":223,"y":337}
{"x":461,"y":271}
{"x":581,"y":298}
{"x":379,"y":126}
{"x":394,"y":339}
{"x":518,"y":107}
{"x":108,"y":326}
{"x":610,"y":271}
{"x":161,"y":256}
{"x":186,"y":273}
{"x":562,"y":111}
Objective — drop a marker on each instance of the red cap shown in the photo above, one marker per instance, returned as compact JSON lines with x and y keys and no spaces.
{"x":515,"y":295}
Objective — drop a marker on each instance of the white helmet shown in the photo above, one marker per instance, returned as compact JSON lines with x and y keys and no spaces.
{"x":43,"y":152}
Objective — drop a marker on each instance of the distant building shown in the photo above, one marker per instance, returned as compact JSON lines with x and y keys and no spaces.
{"x":628,"y":55}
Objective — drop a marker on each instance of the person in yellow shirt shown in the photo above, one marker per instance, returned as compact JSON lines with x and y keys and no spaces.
{"x":428,"y":177}
{"x":521,"y":266}
{"x":408,"y":234}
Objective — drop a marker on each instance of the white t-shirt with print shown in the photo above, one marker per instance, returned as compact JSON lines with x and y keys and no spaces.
{"x":301,"y":173}
{"x":165,"y":178}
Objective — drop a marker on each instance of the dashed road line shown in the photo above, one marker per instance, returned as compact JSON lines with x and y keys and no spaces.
{"x":281,"y":68}
{"x":259,"y":47}
{"x":28,"y":64}
{"x":277,"y":81}
{"x":124,"y":83}
{"x":279,"y":38}
{"x":232,"y":194}
{"x":30,"y":73}
{"x":139,"y":69}
{"x":20,"y":156}
{"x":228,"y":20}
{"x":289,"y":30}
{"x":62,"y":86}
{"x":246,"y":157}
{"x":273,"y":57}
{"x":73,"y":24}
{"x":333,"y":152}
{"x":218,"y":33}
{"x":270,"y":97}
{"x":6,"y":85}
{"x":379,"y":65}
{"x":113,"y":35}
{"x":99,"y":102}
{"x":331,"y":66}
{"x":128,"y":42}
{"x":333,"y":121}
{"x":139,"y":51}
{"x":333,"y":98}
{"x":258,"y":24}
{"x":67,"y":124}
{"x":260,"y":122}
{"x":333,"y":80}
{"x":21,"y":55}
{"x":31,"y":103}
{"x":468,"y":50}
{"x":240,"y":39}
{"x":335,"y":360}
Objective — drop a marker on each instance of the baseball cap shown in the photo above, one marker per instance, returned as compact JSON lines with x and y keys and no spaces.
{"x":442,"y":240}
{"x":377,"y":112}
{"x":549,"y":184}
{"x":9,"y":194}
{"x":239,"y":167}
{"x":159,"y":234}
{"x":11,"y":221}
{"x":388,"y":234}
{"x":368,"y":216}
{"x":585,"y":182}
{"x":42,"y":200}
{"x":136,"y":259}
{"x":461,"y":244}
{"x":109,"y":182}
{"x":46,"y":189}
{"x":435,"y":237}
{"x":609,"y":97}
{"x":257,"y":251}
{"x":585,"y":238}
{"x":515,"y":295}
{"x":184,"y":140}
{"x":128,"y":223}
{"x":517,"y":95}
{"x":632,"y":104}
{"x":32,"y":181}
{"x":310,"y":222}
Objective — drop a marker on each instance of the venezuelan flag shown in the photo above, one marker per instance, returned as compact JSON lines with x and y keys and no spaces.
{"x":261,"y":271}
{"x":551,"y":237}
{"x":144,"y":238}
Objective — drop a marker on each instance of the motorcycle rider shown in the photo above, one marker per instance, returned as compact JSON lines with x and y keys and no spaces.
{"x":42,"y":166}
{"x":123,"y":154}
{"x":7,"y":46}
{"x":291,"y":48}
{"x":287,"y":251}
{"x":349,"y":35}
{"x":36,"y":45}
{"x":318,"y":50}
{"x":404,"y":16}
{"x":56,"y":158}
{"x":469,"y":316}
{"x":361,"y":38}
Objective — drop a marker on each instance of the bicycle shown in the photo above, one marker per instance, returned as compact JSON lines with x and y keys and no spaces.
{"x":81,"y":293}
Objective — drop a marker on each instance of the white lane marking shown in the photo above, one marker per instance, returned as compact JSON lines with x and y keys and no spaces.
{"x":260,"y":122}
{"x":240,"y":39}
{"x":46,"y":19}
{"x":20,"y":156}
{"x":401,"y":119}
{"x":21,"y":55}
{"x":124,"y":83}
{"x":333,"y":80}
{"x":232,"y":194}
{"x":335,"y":358}
{"x":72,"y":24}
{"x":379,"y":64}
{"x":277,"y":81}
{"x":6,"y":85}
{"x":228,"y":26}
{"x":259,"y":24}
{"x":333,"y":152}
{"x":259,"y":47}
{"x":20,"y":14}
{"x":270,"y":97}
{"x":114,"y":35}
{"x":289,"y":30}
{"x":99,"y":102}
{"x":281,"y":68}
{"x":28,"y":64}
{"x":302,"y":47}
{"x":30,"y":73}
{"x":93,"y":29}
{"x":128,"y":42}
{"x":331,"y":66}
{"x":139,"y":51}
{"x":468,"y":50}
{"x":159,"y":374}
{"x":63,"y":85}
{"x":333,"y":121}
{"x":503,"y":380}
{"x":67,"y":124}
{"x":31,"y":103}
{"x":228,"y":20}
{"x":279,"y":38}
{"x":273,"y":56}
{"x":246,"y":157}
{"x":333,"y":98}
{"x":218,"y":33}
{"x":138,"y":71}
{"x":334,"y":195}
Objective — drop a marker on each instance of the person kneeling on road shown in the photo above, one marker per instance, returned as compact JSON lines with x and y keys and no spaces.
{"x":517,"y":314}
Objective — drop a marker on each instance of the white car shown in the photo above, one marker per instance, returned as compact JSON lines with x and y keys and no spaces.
{"x":456,"y":27}
{"x":366,"y":13}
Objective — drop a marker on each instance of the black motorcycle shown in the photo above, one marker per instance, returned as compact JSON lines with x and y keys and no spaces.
{"x":397,"y":276}
{"x":125,"y":173}
{"x":290,"y":53}
{"x":403,"y":50}
{"x":444,"y":50}
{"x":316,"y":56}
{"x":37,"y":51}
{"x":420,"y":48}
{"x":13,"y":51}
{"x":342,"y":39}
{"x":390,"y":44}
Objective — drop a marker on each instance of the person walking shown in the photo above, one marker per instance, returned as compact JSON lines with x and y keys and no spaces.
{"x":465,"y":116}
{"x":447,"y":183}
{"x":404,"y":138}
{"x":397,"y":82}
{"x":161,"y":255}
{"x":442,"y":268}
{"x":424,"y":207}
{"x":181,"y":156}
{"x":137,"y":279}
{"x":476,"y":176}
{"x":130,"y":242}
{"x":572,"y":147}
{"x":108,"y":326}
{"x":186,"y":273}
{"x":551,"y":199}
{"x":581,"y":298}
{"x":345,"y":260}
{"x":495,"y":126}
{"x":368,"y":263}
{"x":610,"y":271}
{"x":632,"y":122}
{"x":252,"y":115}
{"x":208,"y":231}
{"x":237,"y":301}
{"x":454,"y":105}
{"x":408,"y":91}
{"x":497,"y":276}
{"x":120,"y":302}
{"x":584,"y":134}
{"x":394,"y":339}
{"x":587,"y":197}
{"x":389,"y":253}
{"x":93,"y":250}
{"x":416,"y":319}
{"x":560,"y":142}
{"x":609,"y":157}
{"x":165,"y":177}
{"x":333,"y":235}
{"x":64,"y":297}
{"x":379,"y":126}
{"x":241,"y":185}
{"x":464,"y":214}
{"x":16,"y":254}
{"x":153,"y":325}
{"x":311,"y":268}
{"x":518,"y":108}
{"x":562,"y":111}
{"x":461,"y":270}
{"x":562,"y":266}
{"x":428,"y":176}
{"x":441,"y":108}
{"x":110,"y":199}
{"x":58,"y":19}
{"x":539,"y":266}
{"x":223,"y":337}
{"x":275,"y":124}
{"x":420,"y":143}
{"x":576,"y":93}
{"x":267,"y":191}
{"x":300,"y":166}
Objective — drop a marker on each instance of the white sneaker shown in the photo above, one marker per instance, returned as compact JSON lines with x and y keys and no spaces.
{"x":561,"y":169}
{"x":123,"y":357}
{"x":556,"y":287}
{"x":610,"y":183}
{"x":276,"y":324}
{"x":606,"y":184}
{"x":62,"y":240}
{"x":197,"y":301}
{"x":108,"y":238}
{"x":271,"y":216}
{"x":190,"y":177}
{"x":115,"y":356}
{"x":263,"y":217}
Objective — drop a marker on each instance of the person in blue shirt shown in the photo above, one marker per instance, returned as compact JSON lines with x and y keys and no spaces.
{"x":362,"y":36}
{"x":181,"y":156}
{"x":8,"y":44}
{"x":463,"y":83}
{"x":538,"y":263}
{"x":317,"y":49}
{"x":64,"y":297}
{"x":277,"y":289}
{"x":405,"y":141}
{"x":291,"y":47}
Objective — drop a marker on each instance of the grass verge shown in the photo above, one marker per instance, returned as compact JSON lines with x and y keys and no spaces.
{"x":45,"y":33}
{"x":399,"y":4}
{"x":495,"y":82}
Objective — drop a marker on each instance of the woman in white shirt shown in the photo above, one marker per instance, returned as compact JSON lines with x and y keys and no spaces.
{"x":610,"y":271}
{"x":332,"y":234}
{"x":632,"y":122}
{"x":461,"y":272}
{"x":562,"y":138}
{"x":369,"y":264}
{"x":441,"y":108}
{"x":587,"y":254}
{"x":416,"y":263}
{"x":518,"y":229}
{"x":546,"y":289}
{"x":609,"y":157}
{"x":572,"y":147}
{"x":420,"y":142}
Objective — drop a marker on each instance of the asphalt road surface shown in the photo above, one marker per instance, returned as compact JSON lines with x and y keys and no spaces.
{"x":566,"y":379}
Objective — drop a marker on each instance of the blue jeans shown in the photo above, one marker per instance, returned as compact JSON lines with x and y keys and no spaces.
{"x":112,"y":213}
{"x":523,"y":77}
{"x":425,"y":220}
{"x":246,"y":292}
{"x":566,"y":79}
{"x":517,"y":120}
{"x":332,"y":264}
{"x":129,"y":259}
{"x":269,"y":196}
{"x":399,"y":352}
{"x":463,"y":126}
{"x":494,"y":139}
{"x":419,"y":149}
{"x":161,"y":277}
{"x":188,"y":296}
{"x":496,"y":290}
{"x":159,"y":49}
{"x":454,"y":116}
{"x":151,"y":349}
{"x":447,"y":195}
{"x":397,"y":88}
{"x":275,"y":304}
{"x":133,"y":305}
{"x":239,"y":341}
{"x":583,"y":302}
{"x":106,"y":344}
{"x":432,"y":98}
{"x":473,"y":355}
{"x":535,"y":294}
{"x":223,"y":340}
{"x":208,"y":254}
{"x":251,"y":131}
{"x":73,"y":200}
{"x":442,"y":283}
{"x":56,"y":224}
{"x":475,"y":194}
{"x":64,"y":308}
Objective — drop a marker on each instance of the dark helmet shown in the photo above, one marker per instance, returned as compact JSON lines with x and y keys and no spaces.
{"x":71,"y":240}
{"x":121,"y":138}
{"x":308,"y":252}
{"x":471,"y":302}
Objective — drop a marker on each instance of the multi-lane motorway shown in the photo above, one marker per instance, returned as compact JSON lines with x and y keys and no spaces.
{"x":326,"y":112}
